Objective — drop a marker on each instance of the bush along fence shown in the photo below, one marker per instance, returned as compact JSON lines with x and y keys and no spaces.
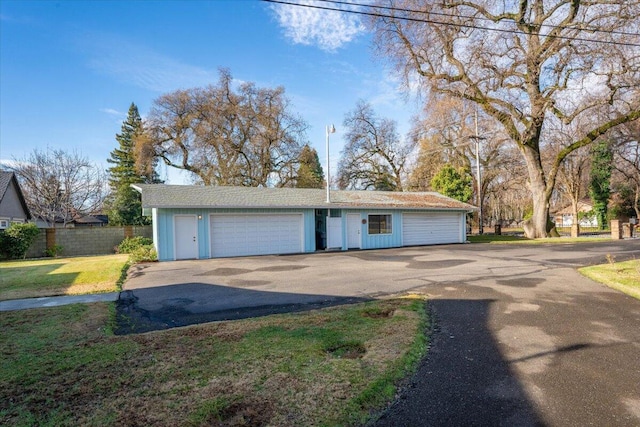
{"x":83,"y":241}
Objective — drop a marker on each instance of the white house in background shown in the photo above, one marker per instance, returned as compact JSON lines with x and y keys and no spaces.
{"x":191,"y":222}
{"x":13,"y":207}
{"x":564,"y":217}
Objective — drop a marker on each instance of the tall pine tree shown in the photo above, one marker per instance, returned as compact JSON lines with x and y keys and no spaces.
{"x":310,"y":174}
{"x":124,"y":206}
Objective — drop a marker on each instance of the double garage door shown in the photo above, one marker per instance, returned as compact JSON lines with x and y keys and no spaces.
{"x":259,"y":234}
{"x":431,"y":228}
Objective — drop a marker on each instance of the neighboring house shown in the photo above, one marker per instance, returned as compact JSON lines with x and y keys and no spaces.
{"x":13,"y":207}
{"x":94,"y":220}
{"x":564,"y":217}
{"x":209,"y":222}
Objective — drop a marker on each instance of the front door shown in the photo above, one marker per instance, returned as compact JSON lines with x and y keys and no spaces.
{"x":353,"y":231}
{"x":185,"y":236}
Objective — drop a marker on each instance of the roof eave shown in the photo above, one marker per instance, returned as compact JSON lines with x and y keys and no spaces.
{"x":341,"y":206}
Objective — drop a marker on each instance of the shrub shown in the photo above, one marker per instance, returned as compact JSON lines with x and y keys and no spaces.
{"x":54,"y":251}
{"x":16,"y":240}
{"x":131,"y":244}
{"x":144,"y":253}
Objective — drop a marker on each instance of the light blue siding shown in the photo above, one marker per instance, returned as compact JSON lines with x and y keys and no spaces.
{"x":163,"y":228}
{"x":163,"y":231}
{"x":373,"y":241}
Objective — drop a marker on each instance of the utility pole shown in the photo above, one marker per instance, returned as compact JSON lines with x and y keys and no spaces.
{"x":477,"y":138}
{"x":329,"y":130}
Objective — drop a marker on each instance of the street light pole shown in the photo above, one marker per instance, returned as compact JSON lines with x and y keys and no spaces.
{"x":477,"y":138}
{"x":329,"y":129}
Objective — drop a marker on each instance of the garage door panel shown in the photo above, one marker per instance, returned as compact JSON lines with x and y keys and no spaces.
{"x":430,"y":228}
{"x":237,"y":235}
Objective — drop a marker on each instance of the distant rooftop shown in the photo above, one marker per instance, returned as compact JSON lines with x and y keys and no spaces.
{"x":197,"y":196}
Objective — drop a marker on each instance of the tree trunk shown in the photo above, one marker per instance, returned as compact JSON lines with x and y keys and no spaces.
{"x":636,"y":199}
{"x":574,"y":211}
{"x":537,"y":226}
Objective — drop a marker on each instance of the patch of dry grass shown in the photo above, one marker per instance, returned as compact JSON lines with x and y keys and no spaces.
{"x":326,"y":367}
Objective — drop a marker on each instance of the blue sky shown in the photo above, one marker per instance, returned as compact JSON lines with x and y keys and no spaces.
{"x":70,"y":69}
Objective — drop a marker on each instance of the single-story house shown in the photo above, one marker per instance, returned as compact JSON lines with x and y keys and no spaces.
{"x":192,"y":222}
{"x":564,"y":216}
{"x":13,"y":207}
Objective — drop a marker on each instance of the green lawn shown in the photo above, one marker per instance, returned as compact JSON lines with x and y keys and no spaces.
{"x":336,"y":366}
{"x":60,"y":276}
{"x":507,"y":239}
{"x":623,"y":276}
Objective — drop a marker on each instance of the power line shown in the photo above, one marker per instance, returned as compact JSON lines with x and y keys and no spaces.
{"x":477,"y":18}
{"x":450,"y":24}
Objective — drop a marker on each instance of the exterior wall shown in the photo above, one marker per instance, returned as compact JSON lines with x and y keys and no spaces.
{"x":374,"y":241}
{"x":163,"y":223}
{"x":163,"y":228}
{"x":10,"y":206}
{"x":84,"y":241}
{"x":394,"y":239}
{"x":566,"y":220}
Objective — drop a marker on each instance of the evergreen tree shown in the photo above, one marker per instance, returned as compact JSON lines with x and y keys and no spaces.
{"x":599,"y":190}
{"x":124,"y":204}
{"x":310,"y":173}
{"x":453,"y":183}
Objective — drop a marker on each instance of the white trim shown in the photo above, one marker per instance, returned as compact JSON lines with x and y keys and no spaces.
{"x":4,"y":223}
{"x":380,"y":214}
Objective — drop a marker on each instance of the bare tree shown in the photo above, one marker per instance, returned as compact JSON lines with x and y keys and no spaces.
{"x":446,"y":133}
{"x":246,"y":136}
{"x":374,"y":157}
{"x":504,"y":184}
{"x":525,"y":64}
{"x":627,"y":160}
{"x":59,"y":186}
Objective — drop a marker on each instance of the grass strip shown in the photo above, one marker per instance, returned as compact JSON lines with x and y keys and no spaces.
{"x":61,"y":276}
{"x":622,"y":276}
{"x":506,"y":239}
{"x":336,"y":366}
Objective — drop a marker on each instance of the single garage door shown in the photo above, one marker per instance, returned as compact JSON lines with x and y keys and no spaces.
{"x":431,"y":228}
{"x":262,"y":234}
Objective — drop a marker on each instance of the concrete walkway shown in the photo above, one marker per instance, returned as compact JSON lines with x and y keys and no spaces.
{"x":22,"y":304}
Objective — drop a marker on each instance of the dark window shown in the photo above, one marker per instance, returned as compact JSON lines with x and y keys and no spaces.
{"x":379,"y":224}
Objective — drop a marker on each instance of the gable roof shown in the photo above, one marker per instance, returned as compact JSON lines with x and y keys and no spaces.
{"x":197,"y":196}
{"x":6,"y":178}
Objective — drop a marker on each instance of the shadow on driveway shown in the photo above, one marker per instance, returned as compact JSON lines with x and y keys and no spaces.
{"x":465,"y":380}
{"x":164,"y":307}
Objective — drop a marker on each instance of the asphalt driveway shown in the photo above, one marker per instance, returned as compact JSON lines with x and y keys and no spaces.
{"x":520,"y":338}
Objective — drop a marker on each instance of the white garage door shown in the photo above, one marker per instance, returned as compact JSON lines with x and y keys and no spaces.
{"x":263,"y":234}
{"x":431,"y":228}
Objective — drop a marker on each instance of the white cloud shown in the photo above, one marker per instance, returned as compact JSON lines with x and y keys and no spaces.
{"x":143,"y":67}
{"x":329,"y":30}
{"x":112,"y":112}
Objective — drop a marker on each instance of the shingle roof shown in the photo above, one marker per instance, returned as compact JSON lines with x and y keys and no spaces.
{"x":196,"y":196}
{"x":5,"y":180}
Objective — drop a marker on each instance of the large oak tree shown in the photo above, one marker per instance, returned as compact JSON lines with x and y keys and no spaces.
{"x":374,"y":156}
{"x":525,"y":63}
{"x":226,"y":134}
